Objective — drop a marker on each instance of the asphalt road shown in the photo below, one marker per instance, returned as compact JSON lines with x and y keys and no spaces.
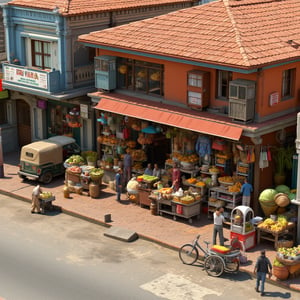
{"x":56,"y":256}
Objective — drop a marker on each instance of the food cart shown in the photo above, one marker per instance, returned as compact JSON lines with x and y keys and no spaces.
{"x":46,"y":199}
{"x":241,"y":226}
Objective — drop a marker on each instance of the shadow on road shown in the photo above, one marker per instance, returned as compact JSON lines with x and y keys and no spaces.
{"x":278,"y":295}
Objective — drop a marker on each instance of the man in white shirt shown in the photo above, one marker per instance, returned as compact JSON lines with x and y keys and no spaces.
{"x":35,"y":201}
{"x":218,"y":226}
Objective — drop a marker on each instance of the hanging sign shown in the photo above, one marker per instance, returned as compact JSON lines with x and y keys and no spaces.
{"x":84,"y":111}
{"x":273,"y":98}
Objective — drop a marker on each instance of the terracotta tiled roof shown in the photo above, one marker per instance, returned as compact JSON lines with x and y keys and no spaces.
{"x":239,"y":33}
{"x":76,"y":7}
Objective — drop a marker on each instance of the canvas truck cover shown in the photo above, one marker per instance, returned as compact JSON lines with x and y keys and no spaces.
{"x":42,"y":152}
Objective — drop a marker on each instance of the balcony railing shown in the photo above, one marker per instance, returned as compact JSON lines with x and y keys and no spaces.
{"x":84,"y":73}
{"x":30,"y":77}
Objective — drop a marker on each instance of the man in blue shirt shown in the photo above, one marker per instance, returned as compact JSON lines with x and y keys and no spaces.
{"x":246,"y":190}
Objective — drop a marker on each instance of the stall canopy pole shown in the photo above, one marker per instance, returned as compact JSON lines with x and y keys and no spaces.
{"x":1,"y":156}
{"x":297,"y":201}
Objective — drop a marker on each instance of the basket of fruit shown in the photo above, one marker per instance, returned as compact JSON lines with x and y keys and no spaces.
{"x":96,"y":174}
{"x":74,"y":170}
{"x":226,"y":180}
{"x":214,"y":170}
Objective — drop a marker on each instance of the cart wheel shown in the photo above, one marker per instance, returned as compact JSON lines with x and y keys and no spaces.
{"x":214,"y":265}
{"x":188,"y":254}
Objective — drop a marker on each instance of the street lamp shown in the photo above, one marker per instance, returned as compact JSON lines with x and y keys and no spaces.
{"x":297,"y":200}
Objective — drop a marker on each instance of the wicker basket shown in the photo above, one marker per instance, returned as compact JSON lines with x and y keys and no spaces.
{"x":285,"y":244}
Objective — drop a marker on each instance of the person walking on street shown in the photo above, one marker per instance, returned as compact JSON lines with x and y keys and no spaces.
{"x":35,"y":200}
{"x":246,"y":190}
{"x":218,"y":226}
{"x":261,"y":269}
{"x":119,"y":184}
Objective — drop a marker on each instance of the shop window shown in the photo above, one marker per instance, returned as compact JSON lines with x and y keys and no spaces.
{"x":223,"y":79}
{"x":195,"y":79}
{"x":140,"y":76}
{"x":41,"y":54}
{"x":3,"y":113}
{"x":288,"y":83}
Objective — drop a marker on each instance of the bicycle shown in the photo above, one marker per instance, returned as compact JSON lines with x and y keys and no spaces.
{"x":214,"y":263}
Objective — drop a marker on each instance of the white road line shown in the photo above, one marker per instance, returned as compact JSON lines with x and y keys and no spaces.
{"x":175,"y":287}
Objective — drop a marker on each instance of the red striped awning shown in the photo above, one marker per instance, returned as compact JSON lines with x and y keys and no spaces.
{"x":169,"y":115}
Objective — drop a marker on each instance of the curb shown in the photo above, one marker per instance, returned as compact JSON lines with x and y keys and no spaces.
{"x":142,"y":236}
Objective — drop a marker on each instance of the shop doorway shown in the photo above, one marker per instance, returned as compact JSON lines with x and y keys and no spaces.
{"x":23,"y":123}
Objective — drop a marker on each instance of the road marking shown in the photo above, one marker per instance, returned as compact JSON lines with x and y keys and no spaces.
{"x":175,"y":287}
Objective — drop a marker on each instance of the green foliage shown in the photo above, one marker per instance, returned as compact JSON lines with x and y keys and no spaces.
{"x":283,"y":157}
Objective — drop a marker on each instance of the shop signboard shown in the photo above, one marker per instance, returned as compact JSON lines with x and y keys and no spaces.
{"x":41,"y":104}
{"x":28,"y":77}
{"x":84,"y":111}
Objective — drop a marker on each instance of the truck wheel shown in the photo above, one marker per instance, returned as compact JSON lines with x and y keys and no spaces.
{"x":46,"y":177}
{"x":22,"y":176}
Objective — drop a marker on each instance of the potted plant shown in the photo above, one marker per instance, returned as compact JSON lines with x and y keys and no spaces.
{"x":283,"y":157}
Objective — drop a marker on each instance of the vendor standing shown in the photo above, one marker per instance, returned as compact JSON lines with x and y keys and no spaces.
{"x":127,"y":162}
{"x":156,"y":171}
{"x":246,"y":190}
{"x":35,"y":200}
{"x":176,"y":174}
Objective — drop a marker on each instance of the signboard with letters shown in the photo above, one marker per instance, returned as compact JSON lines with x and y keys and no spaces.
{"x":27,"y":77}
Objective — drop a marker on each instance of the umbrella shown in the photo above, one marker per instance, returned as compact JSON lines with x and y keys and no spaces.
{"x":150,"y":129}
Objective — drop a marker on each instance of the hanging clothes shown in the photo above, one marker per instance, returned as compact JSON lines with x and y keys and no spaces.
{"x":263,"y":158}
{"x":203,"y":146}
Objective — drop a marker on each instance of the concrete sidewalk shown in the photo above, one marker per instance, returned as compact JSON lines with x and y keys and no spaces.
{"x":160,"y":229}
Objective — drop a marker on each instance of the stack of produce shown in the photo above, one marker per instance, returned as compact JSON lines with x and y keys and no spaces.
{"x":74,"y":170}
{"x":275,"y":226}
{"x":45,"y":195}
{"x":166,"y":193}
{"x":267,"y":202}
{"x":214,"y":170}
{"x":147,"y":178}
{"x":138,"y":154}
{"x":289,"y":253}
{"x":225,"y":180}
{"x":96,"y":174}
{"x":75,"y":160}
{"x":109,"y":140}
{"x":235,"y":188}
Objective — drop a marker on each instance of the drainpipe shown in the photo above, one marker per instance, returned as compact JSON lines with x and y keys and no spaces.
{"x":297,"y":200}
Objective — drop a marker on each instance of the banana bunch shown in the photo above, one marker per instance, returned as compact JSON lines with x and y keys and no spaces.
{"x":277,"y":227}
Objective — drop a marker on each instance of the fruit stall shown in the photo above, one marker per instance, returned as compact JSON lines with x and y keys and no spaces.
{"x":280,"y":215}
{"x":80,"y":177}
{"x":182,"y":204}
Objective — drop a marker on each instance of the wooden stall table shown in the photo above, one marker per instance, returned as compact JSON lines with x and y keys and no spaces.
{"x":266,"y":234}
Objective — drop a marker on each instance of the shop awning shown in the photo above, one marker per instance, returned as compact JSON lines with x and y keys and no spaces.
{"x":168,"y":115}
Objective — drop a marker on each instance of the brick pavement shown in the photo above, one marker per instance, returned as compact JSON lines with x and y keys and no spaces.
{"x":160,"y":229}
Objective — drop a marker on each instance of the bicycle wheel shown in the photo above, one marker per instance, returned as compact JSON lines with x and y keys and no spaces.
{"x":188,"y":254}
{"x":214,"y":265}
